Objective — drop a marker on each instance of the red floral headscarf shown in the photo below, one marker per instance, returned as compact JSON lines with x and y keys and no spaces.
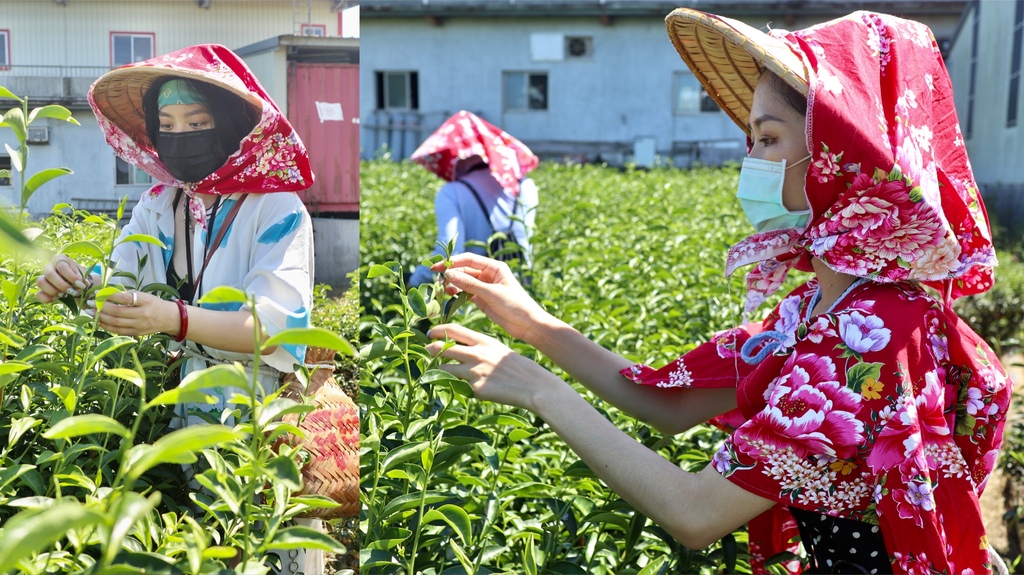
{"x":890,"y":186}
{"x":271,"y":158}
{"x":465,"y":135}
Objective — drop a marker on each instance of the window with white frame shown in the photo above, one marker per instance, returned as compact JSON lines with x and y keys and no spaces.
{"x":128,"y":175}
{"x":319,"y":30}
{"x":526,"y":91}
{"x":130,"y":47}
{"x":5,"y":164}
{"x":398,"y":91}
{"x":690,"y":96}
{"x":5,"y":49}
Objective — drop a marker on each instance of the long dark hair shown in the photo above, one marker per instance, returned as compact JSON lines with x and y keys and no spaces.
{"x":787,"y":93}
{"x":233,"y":117}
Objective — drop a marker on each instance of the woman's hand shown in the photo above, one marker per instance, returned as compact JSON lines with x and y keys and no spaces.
{"x":138,"y":313}
{"x":495,"y":291}
{"x":61,"y":277}
{"x":495,"y":372}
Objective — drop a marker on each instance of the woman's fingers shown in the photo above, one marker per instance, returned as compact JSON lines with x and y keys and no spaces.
{"x":457,"y":333}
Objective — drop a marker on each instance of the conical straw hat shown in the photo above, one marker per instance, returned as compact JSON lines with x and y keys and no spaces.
{"x":118,"y":95}
{"x":728,"y":57}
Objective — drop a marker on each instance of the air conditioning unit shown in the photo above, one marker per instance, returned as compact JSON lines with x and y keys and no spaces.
{"x":38,"y":135}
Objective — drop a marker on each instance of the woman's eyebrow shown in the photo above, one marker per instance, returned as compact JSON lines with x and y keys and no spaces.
{"x":764,"y":118}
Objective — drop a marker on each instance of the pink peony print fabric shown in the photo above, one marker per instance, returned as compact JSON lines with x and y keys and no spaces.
{"x":890,"y":186}
{"x":887,"y":409}
{"x":272,"y":158}
{"x":465,"y":135}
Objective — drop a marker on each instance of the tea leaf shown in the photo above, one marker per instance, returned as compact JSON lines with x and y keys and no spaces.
{"x":31,"y":531}
{"x":14,"y":367}
{"x":403,"y":453}
{"x":87,"y":424}
{"x":15,"y":120}
{"x":311,"y":336}
{"x":299,"y":537}
{"x":411,"y":501}
{"x":85,"y":248}
{"x":417,"y":303}
{"x":129,"y":375}
{"x":54,"y":111}
{"x":454,"y":516}
{"x":143,"y":238}
{"x":284,"y":470}
{"x":464,"y":434}
{"x":224,"y":294}
{"x":378,"y":270}
{"x":127,"y":511}
{"x":19,"y":425}
{"x":5,"y":93}
{"x":179,"y":446}
{"x":40,"y":178}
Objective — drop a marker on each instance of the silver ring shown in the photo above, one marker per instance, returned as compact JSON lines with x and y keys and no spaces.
{"x":135,"y":298}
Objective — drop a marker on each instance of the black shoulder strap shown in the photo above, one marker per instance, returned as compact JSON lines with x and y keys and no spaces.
{"x":483,"y":208}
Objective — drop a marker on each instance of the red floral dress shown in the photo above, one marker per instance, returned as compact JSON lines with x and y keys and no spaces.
{"x":887,"y":410}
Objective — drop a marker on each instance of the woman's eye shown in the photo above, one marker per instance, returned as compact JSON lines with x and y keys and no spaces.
{"x":766,"y":141}
{"x":165,"y":127}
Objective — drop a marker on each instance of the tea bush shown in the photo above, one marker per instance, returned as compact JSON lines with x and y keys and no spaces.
{"x":634,"y":260}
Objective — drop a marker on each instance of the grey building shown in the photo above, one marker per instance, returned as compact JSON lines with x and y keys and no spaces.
{"x":574,"y":79}
{"x":985,"y":66}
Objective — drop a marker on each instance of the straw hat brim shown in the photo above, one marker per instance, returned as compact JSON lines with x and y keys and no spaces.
{"x":728,"y":58}
{"x":118,"y":96}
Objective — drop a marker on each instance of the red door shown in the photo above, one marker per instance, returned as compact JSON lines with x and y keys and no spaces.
{"x":323,"y":105}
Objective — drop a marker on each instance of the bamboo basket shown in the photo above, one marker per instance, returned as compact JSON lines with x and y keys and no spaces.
{"x":332,"y":438}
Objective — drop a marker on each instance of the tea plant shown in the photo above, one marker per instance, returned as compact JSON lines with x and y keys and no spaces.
{"x":451,"y":484}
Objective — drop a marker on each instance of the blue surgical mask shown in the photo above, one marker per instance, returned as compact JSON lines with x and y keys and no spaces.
{"x":760,"y":195}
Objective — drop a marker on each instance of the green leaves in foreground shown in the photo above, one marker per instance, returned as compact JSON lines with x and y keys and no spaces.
{"x":32,"y":531}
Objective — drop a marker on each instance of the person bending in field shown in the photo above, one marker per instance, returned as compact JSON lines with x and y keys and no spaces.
{"x":863,"y":415}
{"x":228,"y":165}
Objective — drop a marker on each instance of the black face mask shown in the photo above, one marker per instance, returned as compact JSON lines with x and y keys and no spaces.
{"x":190,"y":156}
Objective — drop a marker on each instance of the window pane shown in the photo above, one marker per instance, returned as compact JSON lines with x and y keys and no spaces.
{"x":142,"y":48}
{"x":396,"y":90}
{"x":123,"y":176}
{"x":1011,"y":110}
{"x":3,"y":50}
{"x":538,"y":92}
{"x":140,"y":177}
{"x":122,"y":50}
{"x":5,"y":164}
{"x":687,"y":94}
{"x":515,"y":91}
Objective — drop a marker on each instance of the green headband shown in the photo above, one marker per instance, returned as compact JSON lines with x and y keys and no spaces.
{"x":178,"y":91}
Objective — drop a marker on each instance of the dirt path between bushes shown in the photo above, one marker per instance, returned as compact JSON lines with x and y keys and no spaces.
{"x":993,"y":503}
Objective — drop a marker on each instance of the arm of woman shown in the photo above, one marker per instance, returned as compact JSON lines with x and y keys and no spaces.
{"x":223,"y":330}
{"x":497,"y":293}
{"x":695,"y":508}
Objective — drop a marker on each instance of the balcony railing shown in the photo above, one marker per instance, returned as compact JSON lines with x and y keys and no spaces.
{"x":66,"y":84}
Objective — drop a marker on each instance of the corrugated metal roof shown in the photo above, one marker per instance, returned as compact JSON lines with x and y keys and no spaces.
{"x":549,"y":8}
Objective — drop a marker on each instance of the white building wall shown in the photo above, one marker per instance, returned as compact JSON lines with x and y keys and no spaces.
{"x":994,"y":148}
{"x":624,"y":91}
{"x":51,"y":44}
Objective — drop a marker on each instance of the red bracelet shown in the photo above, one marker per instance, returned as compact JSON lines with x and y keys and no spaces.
{"x":183,"y":311}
